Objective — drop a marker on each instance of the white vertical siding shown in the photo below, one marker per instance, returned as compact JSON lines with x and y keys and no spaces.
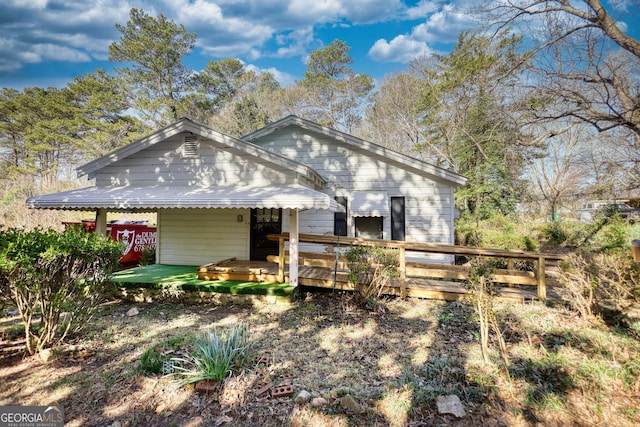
{"x":201,"y":236}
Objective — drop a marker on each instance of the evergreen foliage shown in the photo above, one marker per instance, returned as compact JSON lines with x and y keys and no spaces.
{"x":335,"y":91}
{"x":468,"y":121}
{"x":56,"y":277}
{"x":154,"y":48}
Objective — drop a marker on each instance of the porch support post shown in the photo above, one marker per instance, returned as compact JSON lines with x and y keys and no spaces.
{"x":402,"y":260}
{"x":281,"y":259}
{"x":101,"y":222}
{"x":293,"y":247}
{"x":542,"y":280}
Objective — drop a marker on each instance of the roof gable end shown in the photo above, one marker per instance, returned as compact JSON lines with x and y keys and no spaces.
{"x":358,"y":144}
{"x":186,"y":125}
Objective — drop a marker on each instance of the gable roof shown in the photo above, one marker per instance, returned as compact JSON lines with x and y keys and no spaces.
{"x":186,"y":125}
{"x":360,"y":145}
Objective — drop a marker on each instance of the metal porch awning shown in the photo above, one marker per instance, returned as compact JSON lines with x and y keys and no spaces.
{"x":369,"y":203}
{"x":153,"y":198}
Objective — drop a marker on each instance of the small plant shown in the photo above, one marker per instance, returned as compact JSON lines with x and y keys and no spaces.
{"x":483,"y":292}
{"x":218,"y":354}
{"x":442,"y":375}
{"x":157,"y":359}
{"x":152,"y":361}
{"x":148,"y":255}
{"x":370,"y":270}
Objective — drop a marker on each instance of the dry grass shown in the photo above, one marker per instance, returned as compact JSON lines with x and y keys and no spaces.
{"x":564,"y":371}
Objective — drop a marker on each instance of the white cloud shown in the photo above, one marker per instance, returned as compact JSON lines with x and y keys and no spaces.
{"x":295,"y":43}
{"x":400,"y":49}
{"x":234,"y":27}
{"x":423,"y":9}
{"x":81,"y":30}
{"x":316,"y":10}
{"x":442,"y":26}
{"x":54,"y":52}
{"x":219,"y":34}
{"x":198,"y":11}
{"x":623,"y":26}
{"x":285,"y":79}
{"x":28,"y":4}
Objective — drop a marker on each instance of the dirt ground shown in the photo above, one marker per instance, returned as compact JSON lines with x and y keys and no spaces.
{"x":392,"y":364}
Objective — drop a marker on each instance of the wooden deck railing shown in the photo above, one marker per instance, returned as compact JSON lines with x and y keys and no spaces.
{"x":510,"y":276}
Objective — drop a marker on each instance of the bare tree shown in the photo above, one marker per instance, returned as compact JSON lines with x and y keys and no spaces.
{"x":613,"y":161}
{"x":335,"y":93}
{"x":562,"y":171}
{"x":392,"y":119}
{"x":582,"y":58}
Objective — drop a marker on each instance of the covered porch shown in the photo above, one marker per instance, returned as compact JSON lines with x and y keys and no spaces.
{"x":198,"y":214}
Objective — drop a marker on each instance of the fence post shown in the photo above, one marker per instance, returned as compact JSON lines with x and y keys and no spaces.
{"x":542,"y":280}
{"x":281,"y":259}
{"x":402,"y":258}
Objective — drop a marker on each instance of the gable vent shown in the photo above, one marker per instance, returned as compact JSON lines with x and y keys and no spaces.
{"x":190,"y":147}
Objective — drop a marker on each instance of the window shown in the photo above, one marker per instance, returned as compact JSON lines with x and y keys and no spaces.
{"x":340,"y":218}
{"x":397,"y":218}
{"x":369,"y":227}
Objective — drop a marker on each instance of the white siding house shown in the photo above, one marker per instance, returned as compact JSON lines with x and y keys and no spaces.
{"x":217,"y":196}
{"x":372,"y":180}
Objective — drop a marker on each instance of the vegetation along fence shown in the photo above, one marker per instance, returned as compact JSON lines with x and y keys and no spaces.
{"x":522,"y":268}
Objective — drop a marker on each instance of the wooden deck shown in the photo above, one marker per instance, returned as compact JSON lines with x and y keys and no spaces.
{"x":525,"y":277}
{"x":233,"y":269}
{"x":325,"y":277}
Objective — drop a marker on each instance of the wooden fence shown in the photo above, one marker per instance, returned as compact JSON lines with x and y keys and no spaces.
{"x":517,"y":272}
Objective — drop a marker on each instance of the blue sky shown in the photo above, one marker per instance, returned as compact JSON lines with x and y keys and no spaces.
{"x":48,"y":42}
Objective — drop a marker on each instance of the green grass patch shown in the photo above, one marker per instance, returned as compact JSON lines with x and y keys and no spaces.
{"x":185,"y":278}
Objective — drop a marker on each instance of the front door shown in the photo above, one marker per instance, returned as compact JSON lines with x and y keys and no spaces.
{"x":264,"y":222}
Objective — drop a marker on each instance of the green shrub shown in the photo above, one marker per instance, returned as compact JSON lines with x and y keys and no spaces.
{"x":48,"y":273}
{"x":613,"y":235}
{"x":604,"y":234}
{"x":218,"y":353}
{"x":555,"y":233}
{"x":370,"y":270}
{"x":152,"y":361}
{"x":497,"y":231}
